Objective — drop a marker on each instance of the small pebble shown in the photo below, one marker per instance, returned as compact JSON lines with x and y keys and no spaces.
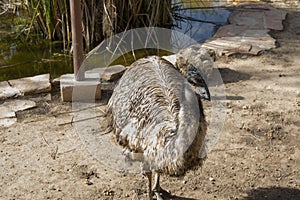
{"x":88,"y":182}
{"x":246,"y":107}
{"x":211,"y":179}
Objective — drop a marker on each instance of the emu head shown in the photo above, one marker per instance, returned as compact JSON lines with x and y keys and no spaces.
{"x":196,"y":64}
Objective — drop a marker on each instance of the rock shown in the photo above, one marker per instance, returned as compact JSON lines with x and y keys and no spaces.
{"x":272,"y":17}
{"x":211,"y":179}
{"x":247,"y":31}
{"x":262,"y":16}
{"x":247,"y":17}
{"x":110,"y":73}
{"x":19,"y":105}
{"x":6,"y":122}
{"x":7,"y":91}
{"x":233,"y":30}
{"x":32,"y":85}
{"x":248,"y":42}
{"x":55,"y":81}
{"x":8,"y":111}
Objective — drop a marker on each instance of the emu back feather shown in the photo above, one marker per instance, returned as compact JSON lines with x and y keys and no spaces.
{"x":156,"y":113}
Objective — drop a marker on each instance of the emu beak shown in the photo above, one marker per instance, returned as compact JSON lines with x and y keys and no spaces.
{"x":196,"y":80}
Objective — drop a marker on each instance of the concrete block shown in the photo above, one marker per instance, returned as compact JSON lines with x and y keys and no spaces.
{"x":110,"y":73}
{"x":87,"y":90}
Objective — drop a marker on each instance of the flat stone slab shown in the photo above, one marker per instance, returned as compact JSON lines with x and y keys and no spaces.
{"x":247,"y":31}
{"x":110,"y":73}
{"x":87,"y":90}
{"x":32,"y":85}
{"x":233,"y":30}
{"x":271,"y":18}
{"x":6,"y":112}
{"x":241,"y":44}
{"x":248,"y":17}
{"x":9,"y":108}
{"x":18,"y":105}
{"x":263,"y":18}
{"x":6,"y":91}
{"x":6,"y":122}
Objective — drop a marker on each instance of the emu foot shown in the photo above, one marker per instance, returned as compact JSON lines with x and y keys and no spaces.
{"x":161,"y":193}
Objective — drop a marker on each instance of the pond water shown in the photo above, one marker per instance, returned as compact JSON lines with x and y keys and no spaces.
{"x":199,"y":19}
{"x":20,"y":58}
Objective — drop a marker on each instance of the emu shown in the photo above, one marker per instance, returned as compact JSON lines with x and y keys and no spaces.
{"x":158,"y":118}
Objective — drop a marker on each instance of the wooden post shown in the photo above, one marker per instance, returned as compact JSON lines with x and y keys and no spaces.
{"x":75,"y":8}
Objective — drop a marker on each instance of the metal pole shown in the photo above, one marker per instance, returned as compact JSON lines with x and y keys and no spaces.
{"x":75,"y":8}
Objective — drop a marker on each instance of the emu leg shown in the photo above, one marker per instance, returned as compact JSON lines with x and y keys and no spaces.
{"x":150,"y":192}
{"x":157,"y":189}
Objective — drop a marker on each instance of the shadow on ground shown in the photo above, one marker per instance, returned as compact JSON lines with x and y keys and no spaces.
{"x":178,"y":198}
{"x":232,"y":76}
{"x":273,"y":193}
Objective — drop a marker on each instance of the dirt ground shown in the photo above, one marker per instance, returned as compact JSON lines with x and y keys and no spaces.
{"x":257,"y":156}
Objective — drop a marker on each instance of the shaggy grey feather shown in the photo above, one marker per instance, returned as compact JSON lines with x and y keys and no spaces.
{"x":156,"y":114}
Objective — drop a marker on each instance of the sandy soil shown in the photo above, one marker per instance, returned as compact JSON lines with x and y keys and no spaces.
{"x":257,"y":157}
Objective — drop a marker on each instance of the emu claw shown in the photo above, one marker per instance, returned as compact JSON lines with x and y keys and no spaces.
{"x":160,"y":193}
